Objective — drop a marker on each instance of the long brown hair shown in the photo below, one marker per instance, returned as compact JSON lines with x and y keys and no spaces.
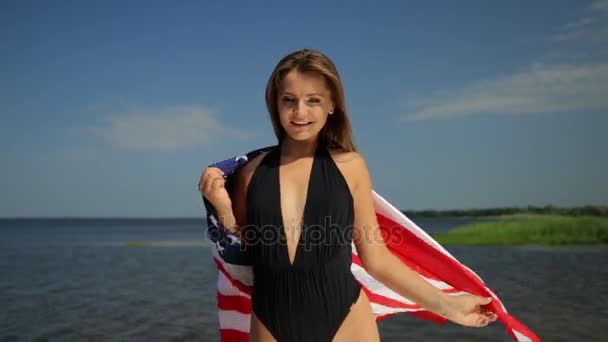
{"x":337,"y":132}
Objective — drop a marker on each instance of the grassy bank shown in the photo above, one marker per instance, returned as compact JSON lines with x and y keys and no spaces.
{"x":522,"y":229}
{"x":588,"y":210}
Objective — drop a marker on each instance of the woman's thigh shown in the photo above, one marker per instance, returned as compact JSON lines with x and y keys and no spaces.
{"x":258,"y":331}
{"x":360,"y":323}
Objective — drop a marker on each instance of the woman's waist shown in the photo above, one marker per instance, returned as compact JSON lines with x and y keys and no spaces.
{"x":322,"y":282}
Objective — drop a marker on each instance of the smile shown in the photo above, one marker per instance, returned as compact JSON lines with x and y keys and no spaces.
{"x":301,"y":123}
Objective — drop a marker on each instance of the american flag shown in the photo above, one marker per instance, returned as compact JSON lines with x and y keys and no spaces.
{"x":403,"y":237}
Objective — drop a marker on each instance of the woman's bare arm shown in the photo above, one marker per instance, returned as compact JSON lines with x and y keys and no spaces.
{"x":388,"y":269}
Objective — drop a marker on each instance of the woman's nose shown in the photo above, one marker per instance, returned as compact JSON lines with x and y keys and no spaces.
{"x":298,"y":107}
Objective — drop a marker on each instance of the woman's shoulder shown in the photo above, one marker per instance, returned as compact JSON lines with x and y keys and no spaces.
{"x":349,"y":159}
{"x":352,"y":165}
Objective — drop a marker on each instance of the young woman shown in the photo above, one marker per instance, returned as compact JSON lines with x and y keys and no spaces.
{"x":298,"y":208}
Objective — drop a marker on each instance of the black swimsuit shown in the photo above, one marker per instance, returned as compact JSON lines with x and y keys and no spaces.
{"x":309,"y":300}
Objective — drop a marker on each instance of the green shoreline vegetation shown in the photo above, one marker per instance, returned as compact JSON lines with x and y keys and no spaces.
{"x":530,"y":229}
{"x":588,"y":210}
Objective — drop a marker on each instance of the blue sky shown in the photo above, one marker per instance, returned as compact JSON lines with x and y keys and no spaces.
{"x":113,"y":108}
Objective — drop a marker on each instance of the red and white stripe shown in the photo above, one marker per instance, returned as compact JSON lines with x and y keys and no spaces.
{"x":409,"y":243}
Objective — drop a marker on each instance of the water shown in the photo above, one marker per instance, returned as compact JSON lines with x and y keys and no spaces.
{"x":77,"y":280}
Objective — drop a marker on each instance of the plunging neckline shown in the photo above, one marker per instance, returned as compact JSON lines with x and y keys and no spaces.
{"x":301,"y":225}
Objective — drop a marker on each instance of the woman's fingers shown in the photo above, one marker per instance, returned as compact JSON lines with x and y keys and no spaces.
{"x":208,"y":177}
{"x":213,"y":180}
{"x":209,"y":183}
{"x":482,"y":321}
{"x":205,"y":182}
{"x":217,"y":183}
{"x":201,"y":181}
{"x":485,"y":319}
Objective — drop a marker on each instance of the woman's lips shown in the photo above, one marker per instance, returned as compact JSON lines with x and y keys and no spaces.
{"x":301,"y":123}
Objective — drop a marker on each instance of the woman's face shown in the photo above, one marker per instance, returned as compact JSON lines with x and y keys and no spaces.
{"x":304,"y":102}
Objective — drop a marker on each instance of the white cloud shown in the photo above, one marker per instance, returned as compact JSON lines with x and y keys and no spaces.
{"x":592,"y":28}
{"x":167,"y":129}
{"x":542,"y":88}
{"x":600,"y":5}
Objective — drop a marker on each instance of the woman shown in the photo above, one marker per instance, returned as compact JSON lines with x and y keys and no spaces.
{"x":299,"y":206}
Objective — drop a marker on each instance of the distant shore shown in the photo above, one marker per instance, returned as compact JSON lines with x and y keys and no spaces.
{"x":530,"y":229}
{"x":588,"y":210}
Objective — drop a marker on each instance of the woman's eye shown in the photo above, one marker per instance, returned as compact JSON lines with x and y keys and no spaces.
{"x":288,"y":99}
{"x":314,"y":100}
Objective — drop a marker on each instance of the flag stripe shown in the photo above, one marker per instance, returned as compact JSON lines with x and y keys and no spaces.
{"x":234,"y":320}
{"x":234,"y":303}
{"x":230,"y":335}
{"x":242,"y":287}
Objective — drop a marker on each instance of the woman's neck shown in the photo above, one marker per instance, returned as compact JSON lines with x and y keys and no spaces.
{"x":293,"y":149}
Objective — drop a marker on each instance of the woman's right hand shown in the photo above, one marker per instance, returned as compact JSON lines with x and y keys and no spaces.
{"x":211,"y":185}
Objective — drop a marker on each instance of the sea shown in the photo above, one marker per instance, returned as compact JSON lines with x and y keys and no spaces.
{"x":154,"y":280}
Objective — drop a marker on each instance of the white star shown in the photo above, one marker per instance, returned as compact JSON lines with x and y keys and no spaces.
{"x":219,"y":247}
{"x":234,"y":240}
{"x":213,"y":220}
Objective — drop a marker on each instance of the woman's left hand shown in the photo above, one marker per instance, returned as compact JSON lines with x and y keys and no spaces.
{"x":468,"y":310}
